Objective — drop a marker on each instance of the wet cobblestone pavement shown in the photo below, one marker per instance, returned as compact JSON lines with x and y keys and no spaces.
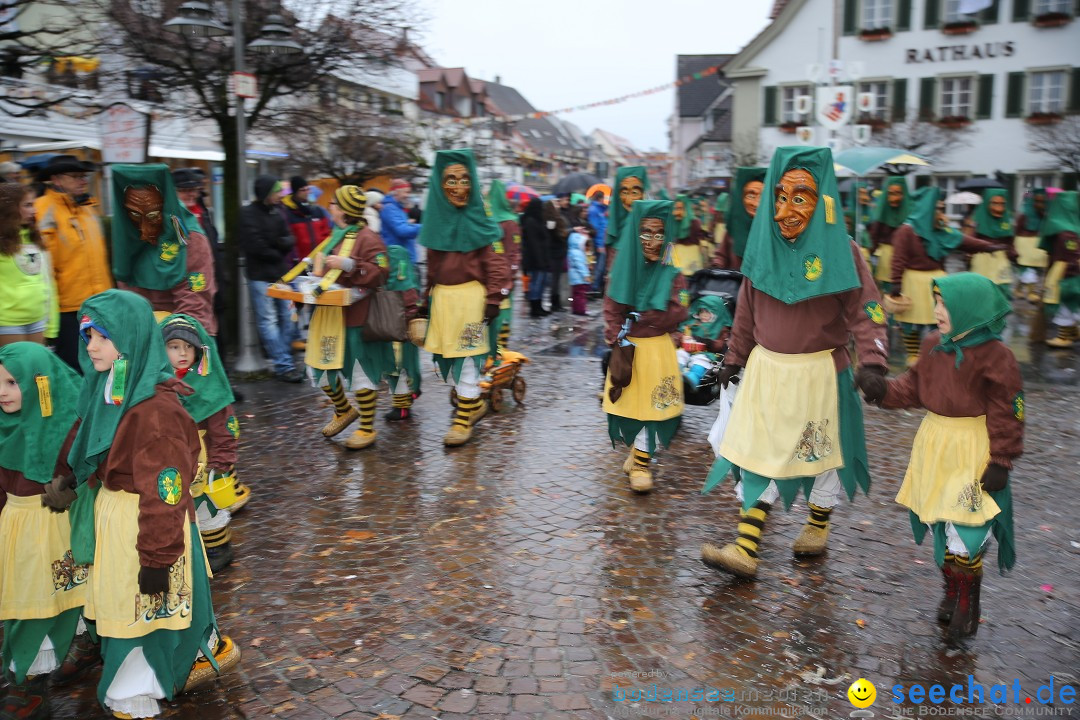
{"x":519,"y":577}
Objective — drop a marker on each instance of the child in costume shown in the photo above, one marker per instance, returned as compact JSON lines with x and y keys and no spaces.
{"x":956,"y":483}
{"x":504,"y":215}
{"x":708,"y":326}
{"x":797,"y":421}
{"x":646,"y":299}
{"x":468,"y":279}
{"x":688,"y":252}
{"x":405,"y":378}
{"x":1030,"y":256}
{"x":1060,"y":239}
{"x":889,"y":213}
{"x":193,"y":356}
{"x":42,"y":590}
{"x":631,"y":185}
{"x":920,"y":247}
{"x":746,"y":192}
{"x":993,"y":222}
{"x":137,"y":450}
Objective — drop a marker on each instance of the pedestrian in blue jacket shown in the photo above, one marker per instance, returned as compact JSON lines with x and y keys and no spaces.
{"x":396,"y":228}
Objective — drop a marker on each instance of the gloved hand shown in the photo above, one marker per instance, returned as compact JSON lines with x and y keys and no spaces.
{"x":994,"y":478}
{"x":422,"y":311}
{"x":995,"y":247}
{"x":59,"y":494}
{"x":871,"y":380}
{"x":153,"y":580}
{"x":490,"y":313}
{"x":728,"y":375}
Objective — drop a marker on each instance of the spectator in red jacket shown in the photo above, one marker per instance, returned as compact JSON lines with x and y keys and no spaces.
{"x":309,"y":222}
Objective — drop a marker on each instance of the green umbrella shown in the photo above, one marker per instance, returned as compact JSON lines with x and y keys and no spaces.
{"x":862,"y":160}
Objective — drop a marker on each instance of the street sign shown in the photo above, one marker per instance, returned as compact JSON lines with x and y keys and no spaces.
{"x":833,"y":106}
{"x":244,"y":85}
{"x":123,"y":135}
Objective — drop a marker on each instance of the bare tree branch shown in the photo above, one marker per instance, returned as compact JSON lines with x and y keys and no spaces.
{"x":924,"y":137}
{"x":1059,"y":141}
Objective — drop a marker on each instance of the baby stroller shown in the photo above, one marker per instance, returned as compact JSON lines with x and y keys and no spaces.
{"x":724,"y":284}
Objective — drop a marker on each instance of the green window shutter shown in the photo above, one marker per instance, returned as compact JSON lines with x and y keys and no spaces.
{"x":989,"y":16}
{"x":1073,"y":99}
{"x":931,"y":14}
{"x":927,"y":91}
{"x":899,"y":99}
{"x":903,"y":16}
{"x":984,"y":108}
{"x":770,"y":106}
{"x":1021,"y":10}
{"x":851,"y":7}
{"x":922,"y":181}
{"x":1014,"y":97}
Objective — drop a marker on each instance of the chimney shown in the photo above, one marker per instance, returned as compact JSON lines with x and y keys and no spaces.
{"x":498,"y":79}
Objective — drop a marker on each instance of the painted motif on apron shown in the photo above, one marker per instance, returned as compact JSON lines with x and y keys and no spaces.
{"x":666,"y":393}
{"x":66,"y":574}
{"x":815,"y":443}
{"x":328,"y":348}
{"x":970,"y":497}
{"x":161,"y":606}
{"x":471,"y":336}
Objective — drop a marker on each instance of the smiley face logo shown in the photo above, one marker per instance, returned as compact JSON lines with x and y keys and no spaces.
{"x":862,"y":693}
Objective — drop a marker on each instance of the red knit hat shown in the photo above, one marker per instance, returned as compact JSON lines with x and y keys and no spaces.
{"x":398,"y":183}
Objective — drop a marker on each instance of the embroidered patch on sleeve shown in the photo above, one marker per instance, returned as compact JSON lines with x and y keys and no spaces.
{"x":684,"y":298}
{"x":382,"y":261}
{"x":498,"y":247}
{"x":169,"y":251}
{"x":234,"y":427}
{"x":1018,"y":406}
{"x":169,"y":486}
{"x":875,"y":312}
{"x":197,"y":282}
{"x":812,"y":267}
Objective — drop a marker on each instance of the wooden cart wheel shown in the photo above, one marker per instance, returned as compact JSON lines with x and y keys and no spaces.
{"x":518,"y":389}
{"x":496,"y":400}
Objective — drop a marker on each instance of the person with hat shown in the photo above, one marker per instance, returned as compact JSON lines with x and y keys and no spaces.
{"x":309,"y":222}
{"x":396,"y":227}
{"x":994,"y":222}
{"x":71,"y":231}
{"x":1059,"y":237}
{"x":10,"y":172}
{"x":797,"y":422}
{"x":159,"y":249}
{"x":468,"y":279}
{"x":688,"y":250}
{"x":372,"y":208}
{"x":267,"y":243}
{"x":746,"y":192}
{"x":889,"y":212}
{"x":504,"y":215}
{"x":1030,"y":257}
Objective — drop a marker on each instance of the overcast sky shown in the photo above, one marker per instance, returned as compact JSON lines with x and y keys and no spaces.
{"x":560,"y":53}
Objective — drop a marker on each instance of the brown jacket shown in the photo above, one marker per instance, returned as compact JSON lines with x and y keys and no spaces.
{"x":1066,"y":249}
{"x":909,"y":253}
{"x":822,"y":323}
{"x":652,"y":322}
{"x":15,"y":483}
{"x":484,"y":265}
{"x":371,"y":269}
{"x":725,"y":257}
{"x":986,"y":383}
{"x":194,"y":295}
{"x":512,"y":246}
{"x":880,"y":234}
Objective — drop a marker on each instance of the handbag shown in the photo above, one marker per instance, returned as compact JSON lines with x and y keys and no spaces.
{"x":386,"y":318}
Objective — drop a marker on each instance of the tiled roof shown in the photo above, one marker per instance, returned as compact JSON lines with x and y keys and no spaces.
{"x":696,"y":95}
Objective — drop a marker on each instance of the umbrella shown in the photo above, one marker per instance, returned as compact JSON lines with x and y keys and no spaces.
{"x":982,"y":183}
{"x":862,"y":160}
{"x":575,"y":182}
{"x":519,"y":194}
{"x":964,"y":198}
{"x":600,"y":187}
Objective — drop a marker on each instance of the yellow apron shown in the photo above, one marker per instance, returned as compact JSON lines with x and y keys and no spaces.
{"x":113,"y":597}
{"x":1030,"y":255}
{"x":883,"y":271}
{"x":942,"y":479}
{"x":326,"y":338}
{"x":917,"y":285}
{"x":456,"y":328}
{"x":786,"y":419}
{"x":995,"y":266}
{"x":38,"y":578}
{"x":655,"y":390}
{"x":687,"y":258}
{"x":1052,"y":284}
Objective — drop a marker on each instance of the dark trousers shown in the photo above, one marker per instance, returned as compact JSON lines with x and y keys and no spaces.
{"x":577,"y":302}
{"x":66,"y":342}
{"x":556,"y":282}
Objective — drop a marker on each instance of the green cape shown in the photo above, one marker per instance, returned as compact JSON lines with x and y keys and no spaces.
{"x":1030,"y":213}
{"x":208,"y":379}
{"x":128,"y":320}
{"x":682,"y":229}
{"x":819,"y":262}
{"x":884,"y":212}
{"x":633,"y":281}
{"x":617,"y":214}
{"x":500,"y":206}
{"x":721,"y":317}
{"x":402,"y":273}
{"x":939,"y":242}
{"x":1062,"y":215}
{"x":737,"y":219}
{"x":988,"y":226}
{"x":977,"y":310}
{"x":452,"y":229}
{"x":29,"y":442}
{"x":161,"y":266}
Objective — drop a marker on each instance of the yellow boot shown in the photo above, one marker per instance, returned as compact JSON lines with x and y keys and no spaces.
{"x":815,"y":533}
{"x":641,"y":480}
{"x":461,"y":427}
{"x":365,"y":435}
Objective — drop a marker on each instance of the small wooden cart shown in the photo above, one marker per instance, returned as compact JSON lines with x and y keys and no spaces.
{"x":499,"y":375}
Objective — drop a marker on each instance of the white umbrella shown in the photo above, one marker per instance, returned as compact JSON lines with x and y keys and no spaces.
{"x":964,"y":198}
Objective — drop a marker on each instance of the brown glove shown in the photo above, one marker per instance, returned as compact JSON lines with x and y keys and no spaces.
{"x":490,"y":313}
{"x":59,"y":494}
{"x":728,"y":375}
{"x":871,"y":380}
{"x":153,"y":580}
{"x":995,"y":477}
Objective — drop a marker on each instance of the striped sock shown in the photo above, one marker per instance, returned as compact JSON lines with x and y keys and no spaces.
{"x":970,"y":563}
{"x":366,"y":400}
{"x":751,"y":525}
{"x":504,"y":336}
{"x":336,"y":393}
{"x":403,"y":401}
{"x":819,"y":516}
{"x":911,"y":343}
{"x":949,"y":557}
{"x":641,"y":458}
{"x":216,"y":538}
{"x":465,"y":408}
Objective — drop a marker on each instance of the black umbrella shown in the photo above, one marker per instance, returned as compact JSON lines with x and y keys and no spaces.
{"x":575,"y":182}
{"x":982,"y":183}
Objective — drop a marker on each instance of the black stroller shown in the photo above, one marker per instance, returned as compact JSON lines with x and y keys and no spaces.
{"x":725,"y":284}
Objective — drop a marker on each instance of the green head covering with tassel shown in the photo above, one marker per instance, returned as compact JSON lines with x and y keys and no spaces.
{"x":1032,"y":217}
{"x":452,"y":229}
{"x":634,"y":281}
{"x":617,"y":214}
{"x":207,"y":378}
{"x":499,"y":204}
{"x":988,"y":226}
{"x":704,"y":306}
{"x":977,"y":310}
{"x":884,"y":212}
{"x":941,"y":241}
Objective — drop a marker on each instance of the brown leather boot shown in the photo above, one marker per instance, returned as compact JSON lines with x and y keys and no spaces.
{"x":84,"y":655}
{"x":965,"y":618}
{"x":948,"y":603}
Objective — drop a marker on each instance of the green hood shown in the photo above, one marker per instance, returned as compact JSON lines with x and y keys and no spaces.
{"x":1062,"y":215}
{"x":819,"y":262}
{"x":738,"y":220}
{"x":708,"y":330}
{"x":402,"y":273}
{"x":663,"y":195}
{"x":884,"y":212}
{"x":617,"y":214}
{"x":500,"y":206}
{"x":986,"y":225}
{"x":208,"y":379}
{"x":30,"y":439}
{"x":939,"y":242}
{"x":721,"y":205}
{"x":977,"y":310}
{"x":644,"y":285}
{"x":1033,"y":219}
{"x":128,"y":320}
{"x":452,"y":229}
{"x":682,"y":228}
{"x":161,"y":266}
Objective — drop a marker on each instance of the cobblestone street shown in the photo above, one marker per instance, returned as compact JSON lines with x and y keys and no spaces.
{"x":520,"y":577}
